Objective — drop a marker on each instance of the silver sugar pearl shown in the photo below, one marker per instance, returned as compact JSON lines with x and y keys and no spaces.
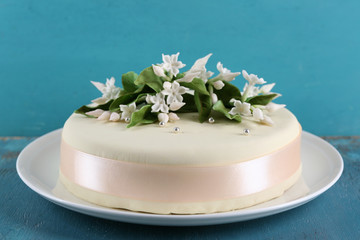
{"x":211,"y":120}
{"x":161,"y":124}
{"x":176,"y":129}
{"x":127,"y":119}
{"x":246,"y":131}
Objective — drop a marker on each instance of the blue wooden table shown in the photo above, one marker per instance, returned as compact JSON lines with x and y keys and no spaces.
{"x":333,"y":215}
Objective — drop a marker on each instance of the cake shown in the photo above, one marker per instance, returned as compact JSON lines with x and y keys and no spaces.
{"x":181,"y":143}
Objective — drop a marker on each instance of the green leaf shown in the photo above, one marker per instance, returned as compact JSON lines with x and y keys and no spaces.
{"x":141,"y":98}
{"x":196,"y":84}
{"x":261,"y":99}
{"x":203,"y":104}
{"x":84,"y":109}
{"x":123,"y":100}
{"x":148,"y":77}
{"x":189,"y":106}
{"x":128,"y":81}
{"x":142,"y":116}
{"x":219,"y":107}
{"x":228,"y":92}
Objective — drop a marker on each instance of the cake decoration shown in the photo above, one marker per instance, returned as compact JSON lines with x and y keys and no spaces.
{"x":184,"y":167}
{"x":161,"y":91}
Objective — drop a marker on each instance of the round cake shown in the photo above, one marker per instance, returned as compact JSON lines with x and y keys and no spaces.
{"x":223,"y":150}
{"x":203,"y":168}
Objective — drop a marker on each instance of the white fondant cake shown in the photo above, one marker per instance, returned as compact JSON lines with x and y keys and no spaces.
{"x":212,"y":148}
{"x":196,"y":145}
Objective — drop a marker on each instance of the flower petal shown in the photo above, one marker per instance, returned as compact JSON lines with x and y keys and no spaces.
{"x":163,"y":117}
{"x":110,"y":81}
{"x":174,"y":106}
{"x":95,"y":113}
{"x":272,"y":107}
{"x":267,"y":88}
{"x":230,"y":76}
{"x":167,"y":86}
{"x":219,"y":67}
{"x":159,"y":71}
{"x":114,"y":117}
{"x":100,"y":100}
{"x":173,"y":117}
{"x":188,"y":77}
{"x":245,"y":75}
{"x":267,"y":120}
{"x":166,"y":58}
{"x":258,"y":114}
{"x":199,"y":64}
{"x":104,"y":116}
{"x":100,"y":86}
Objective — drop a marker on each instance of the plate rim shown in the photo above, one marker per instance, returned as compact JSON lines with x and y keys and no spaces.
{"x":163,"y":220}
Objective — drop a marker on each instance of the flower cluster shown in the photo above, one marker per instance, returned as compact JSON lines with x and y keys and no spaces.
{"x":161,"y":91}
{"x":255,"y":112}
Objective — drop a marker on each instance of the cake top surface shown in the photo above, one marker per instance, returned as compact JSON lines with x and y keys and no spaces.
{"x":220,"y":143}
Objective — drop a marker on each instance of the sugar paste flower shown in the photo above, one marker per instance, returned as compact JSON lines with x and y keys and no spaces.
{"x":272,"y":107}
{"x":173,"y":91}
{"x":171,"y":64}
{"x":224,"y":75}
{"x":198,"y":70}
{"x":159,"y":71}
{"x":240,"y":108}
{"x":127,"y":110}
{"x":158,"y":101}
{"x":109,"y":91}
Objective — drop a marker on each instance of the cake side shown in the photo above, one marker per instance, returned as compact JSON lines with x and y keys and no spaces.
{"x":200,"y":207}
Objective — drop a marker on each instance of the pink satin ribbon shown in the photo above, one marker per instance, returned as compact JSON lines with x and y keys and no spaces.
{"x":167,"y":183}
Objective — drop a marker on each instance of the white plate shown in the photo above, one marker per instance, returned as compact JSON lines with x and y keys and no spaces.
{"x":38,"y":163}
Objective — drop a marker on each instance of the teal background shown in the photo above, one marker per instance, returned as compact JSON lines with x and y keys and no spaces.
{"x":50,"y":50}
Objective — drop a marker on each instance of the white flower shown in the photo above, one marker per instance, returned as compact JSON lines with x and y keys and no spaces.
{"x":251,"y":90}
{"x":205,"y":75}
{"x":198,"y":70}
{"x":95,"y":113}
{"x":158,"y":101}
{"x":174,"y":106}
{"x":272,"y":107}
{"x":265,"y":89}
{"x":173,"y":91}
{"x":171,"y":64}
{"x":159,"y":71}
{"x":127,"y":110}
{"x":173,"y":117}
{"x":218,"y":84}
{"x":225,"y":74}
{"x":252,"y":78}
{"x":104,"y":116}
{"x":240,"y":108}
{"x":163,"y":117}
{"x":109,"y":91}
{"x":258,"y":114}
{"x":114,"y":117}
